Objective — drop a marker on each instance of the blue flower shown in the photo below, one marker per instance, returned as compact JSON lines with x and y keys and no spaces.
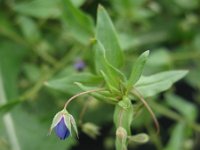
{"x":61,"y":129}
{"x":62,"y":123}
{"x":79,"y":65}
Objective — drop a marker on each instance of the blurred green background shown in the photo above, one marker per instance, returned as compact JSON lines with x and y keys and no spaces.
{"x":42,"y":40}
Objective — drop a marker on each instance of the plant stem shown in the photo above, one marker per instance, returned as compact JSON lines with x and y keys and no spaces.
{"x":8,"y":121}
{"x":136,"y":93}
{"x":79,"y":94}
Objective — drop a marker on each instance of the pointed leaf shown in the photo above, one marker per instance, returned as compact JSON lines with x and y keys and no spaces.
{"x":137,"y":69}
{"x":40,"y":9}
{"x":154,"y":84}
{"x":79,"y":24}
{"x":112,"y":74}
{"x":106,"y":34}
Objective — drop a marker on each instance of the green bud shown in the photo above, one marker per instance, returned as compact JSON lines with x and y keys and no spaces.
{"x":91,"y":130}
{"x":139,"y":138}
{"x":121,"y":139}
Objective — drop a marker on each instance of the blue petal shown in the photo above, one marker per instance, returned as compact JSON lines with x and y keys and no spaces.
{"x":61,"y":130}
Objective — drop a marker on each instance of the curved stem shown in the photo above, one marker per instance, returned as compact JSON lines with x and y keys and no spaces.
{"x":79,"y":94}
{"x":137,"y":93}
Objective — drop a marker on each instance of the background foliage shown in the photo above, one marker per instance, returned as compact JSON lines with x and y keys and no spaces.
{"x":41,"y":40}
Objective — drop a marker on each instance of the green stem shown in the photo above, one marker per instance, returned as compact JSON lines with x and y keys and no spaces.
{"x":138,"y":95}
{"x":79,"y":94}
{"x":8,"y":121}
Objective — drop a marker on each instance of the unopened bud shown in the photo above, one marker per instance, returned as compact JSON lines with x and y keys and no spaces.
{"x":139,"y":138}
{"x":91,"y":130}
{"x":121,"y":133}
{"x":121,"y":138}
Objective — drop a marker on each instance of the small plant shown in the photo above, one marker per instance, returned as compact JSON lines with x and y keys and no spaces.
{"x":127,"y":93}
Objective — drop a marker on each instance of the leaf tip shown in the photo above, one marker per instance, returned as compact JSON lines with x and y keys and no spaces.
{"x":146,"y":53}
{"x":100,"y":7}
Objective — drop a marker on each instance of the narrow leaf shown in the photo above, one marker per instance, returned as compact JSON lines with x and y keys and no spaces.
{"x":113,"y":76}
{"x":137,"y":69}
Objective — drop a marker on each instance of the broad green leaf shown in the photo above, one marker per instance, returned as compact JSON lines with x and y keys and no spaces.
{"x":77,"y":23}
{"x":106,"y":34}
{"x":154,"y":84}
{"x":111,"y":74}
{"x":40,"y":9}
{"x":137,"y":69}
{"x":123,"y":114}
{"x":66,"y":84}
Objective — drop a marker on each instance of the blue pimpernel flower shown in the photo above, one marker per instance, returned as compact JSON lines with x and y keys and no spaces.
{"x":61,"y":123}
{"x":61,"y":129}
{"x":79,"y":65}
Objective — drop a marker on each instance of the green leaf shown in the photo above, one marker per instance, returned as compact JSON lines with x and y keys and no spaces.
{"x":123,"y":114}
{"x":78,"y":24}
{"x":154,"y":84}
{"x":78,"y":3}
{"x":137,"y":69}
{"x":112,"y":75}
{"x":177,"y":137}
{"x":106,"y":34}
{"x":41,"y":9}
{"x":66,"y":84}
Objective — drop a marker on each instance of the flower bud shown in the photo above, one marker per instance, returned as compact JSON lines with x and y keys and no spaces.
{"x":121,"y":133}
{"x":61,"y":123}
{"x":79,"y":65}
{"x":121,"y":138}
{"x":91,"y":130}
{"x":139,"y":138}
